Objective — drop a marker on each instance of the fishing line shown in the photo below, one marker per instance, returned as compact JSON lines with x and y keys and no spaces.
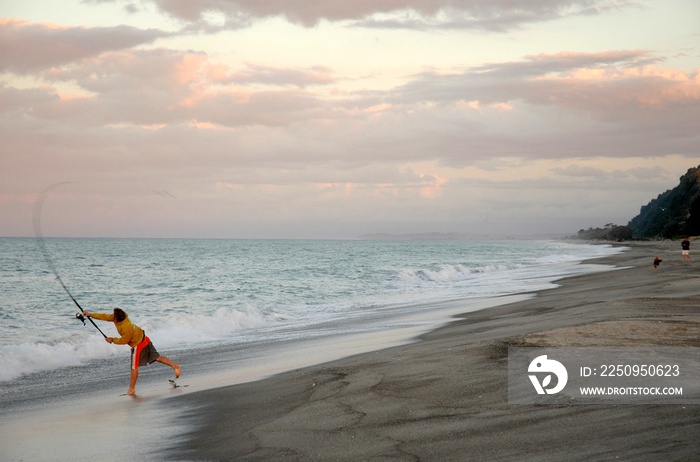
{"x":38,"y":205}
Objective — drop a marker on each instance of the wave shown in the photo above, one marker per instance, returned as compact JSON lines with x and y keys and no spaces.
{"x":461,"y":273}
{"x":449,"y":273}
{"x":170,"y":331}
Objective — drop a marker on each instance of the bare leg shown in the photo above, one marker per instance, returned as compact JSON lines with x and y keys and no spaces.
{"x":132,"y":384}
{"x":167,"y":362}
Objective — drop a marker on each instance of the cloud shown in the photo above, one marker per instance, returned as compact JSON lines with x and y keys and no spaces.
{"x":606,"y":99}
{"x":405,"y":14}
{"x":578,"y":171}
{"x":494,"y":82}
{"x":544,"y":106}
{"x":498,"y":16}
{"x":268,"y":75}
{"x":160,"y":86}
{"x":29,"y":47}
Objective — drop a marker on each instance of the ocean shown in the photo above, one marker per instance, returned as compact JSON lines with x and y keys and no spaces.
{"x":260,"y":306}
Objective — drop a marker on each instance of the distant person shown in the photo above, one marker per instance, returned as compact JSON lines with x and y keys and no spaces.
{"x":685,"y":245}
{"x":657,"y":262}
{"x":142,"y":350}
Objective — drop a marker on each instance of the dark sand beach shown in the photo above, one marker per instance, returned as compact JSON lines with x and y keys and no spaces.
{"x":445,"y":397}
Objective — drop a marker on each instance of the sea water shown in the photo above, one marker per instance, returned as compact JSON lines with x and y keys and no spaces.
{"x":194,"y":297}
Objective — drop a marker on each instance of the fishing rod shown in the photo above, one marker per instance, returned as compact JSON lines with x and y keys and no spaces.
{"x":42,"y":246}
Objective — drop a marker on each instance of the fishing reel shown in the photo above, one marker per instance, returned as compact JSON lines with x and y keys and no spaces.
{"x":80,"y":317}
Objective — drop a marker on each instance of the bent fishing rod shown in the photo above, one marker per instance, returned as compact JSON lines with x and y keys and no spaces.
{"x":38,"y":205}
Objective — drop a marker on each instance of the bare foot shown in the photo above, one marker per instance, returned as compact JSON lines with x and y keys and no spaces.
{"x":131,"y":391}
{"x":177,"y":371}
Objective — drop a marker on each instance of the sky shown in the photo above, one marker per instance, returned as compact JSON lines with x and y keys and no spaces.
{"x":334,"y":119}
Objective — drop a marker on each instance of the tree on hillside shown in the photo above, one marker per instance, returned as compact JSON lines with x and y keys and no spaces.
{"x":611,"y":232}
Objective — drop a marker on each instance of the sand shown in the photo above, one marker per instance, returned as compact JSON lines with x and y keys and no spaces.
{"x":445,"y":398}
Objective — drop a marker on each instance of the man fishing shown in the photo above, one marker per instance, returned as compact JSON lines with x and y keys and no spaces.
{"x":142,"y":350}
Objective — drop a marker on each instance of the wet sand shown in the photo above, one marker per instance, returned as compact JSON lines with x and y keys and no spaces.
{"x":444,"y":398}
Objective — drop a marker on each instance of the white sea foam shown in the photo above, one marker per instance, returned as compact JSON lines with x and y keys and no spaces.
{"x":169,"y":331}
{"x":222,"y":324}
{"x":37,"y":356}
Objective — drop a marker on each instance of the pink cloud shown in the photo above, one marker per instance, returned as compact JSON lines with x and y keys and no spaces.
{"x":279,"y":76}
{"x":29,"y":47}
{"x":624,"y":80}
{"x":488,"y":14}
{"x":255,"y":74}
{"x":488,"y":111}
{"x":158,"y":86}
{"x":641,"y":87}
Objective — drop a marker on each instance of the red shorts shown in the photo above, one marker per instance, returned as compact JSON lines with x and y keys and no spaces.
{"x":144,"y":353}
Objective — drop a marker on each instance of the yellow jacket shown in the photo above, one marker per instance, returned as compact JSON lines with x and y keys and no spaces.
{"x":131,"y":334}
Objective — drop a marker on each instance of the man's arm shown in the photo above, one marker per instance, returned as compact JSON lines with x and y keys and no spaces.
{"x":100,"y":316}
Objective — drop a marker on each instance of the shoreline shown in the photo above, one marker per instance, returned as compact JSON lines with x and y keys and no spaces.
{"x":444,"y":397}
